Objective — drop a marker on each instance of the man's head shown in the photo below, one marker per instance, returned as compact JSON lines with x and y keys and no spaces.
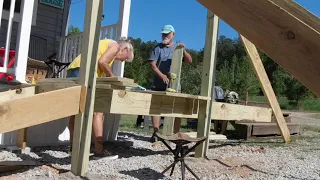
{"x":125,"y":52}
{"x":168,"y":33}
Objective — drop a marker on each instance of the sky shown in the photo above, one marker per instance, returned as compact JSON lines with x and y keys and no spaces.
{"x":147,"y":17}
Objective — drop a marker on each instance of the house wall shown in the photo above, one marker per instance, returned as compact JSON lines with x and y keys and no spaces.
{"x":50,"y":25}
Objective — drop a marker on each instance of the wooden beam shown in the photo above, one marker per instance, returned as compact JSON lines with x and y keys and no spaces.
{"x":176,"y":64}
{"x":135,"y":103}
{"x":299,"y":12}
{"x":266,"y":87}
{"x":209,"y":61}
{"x":40,"y":108}
{"x":173,"y":105}
{"x":17,"y":94}
{"x":88,"y":66}
{"x":235,"y":112}
{"x":288,"y":40}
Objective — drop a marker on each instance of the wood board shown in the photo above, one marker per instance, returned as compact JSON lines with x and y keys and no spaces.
{"x":290,"y":39}
{"x":39,"y":109}
{"x":175,"y":68}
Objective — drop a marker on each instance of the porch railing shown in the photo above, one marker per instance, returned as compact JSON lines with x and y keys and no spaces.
{"x":18,"y":66}
{"x":70,"y":46}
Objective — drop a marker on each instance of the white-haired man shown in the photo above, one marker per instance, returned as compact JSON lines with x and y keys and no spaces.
{"x":160,"y":60}
{"x":108,"y":52}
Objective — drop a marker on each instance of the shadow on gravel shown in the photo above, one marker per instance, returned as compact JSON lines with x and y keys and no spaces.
{"x":44,"y":156}
{"x":134,"y":136}
{"x":127,"y":152}
{"x":144,"y":173}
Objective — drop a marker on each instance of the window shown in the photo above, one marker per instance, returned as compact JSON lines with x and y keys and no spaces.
{"x":17,"y":10}
{"x":7,"y":4}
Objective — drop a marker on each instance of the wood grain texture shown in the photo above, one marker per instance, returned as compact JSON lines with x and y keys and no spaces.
{"x":208,"y":73}
{"x":288,"y":40}
{"x":176,"y":64}
{"x":88,"y":75}
{"x":266,"y":86}
{"x":39,"y":109}
{"x":17,"y":94}
{"x":300,"y":13}
{"x":135,"y":103}
{"x":231,"y":112}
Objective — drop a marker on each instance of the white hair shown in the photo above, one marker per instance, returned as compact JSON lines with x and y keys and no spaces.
{"x":125,"y":42}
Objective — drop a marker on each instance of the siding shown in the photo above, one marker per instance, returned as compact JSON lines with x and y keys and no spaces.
{"x":44,"y":40}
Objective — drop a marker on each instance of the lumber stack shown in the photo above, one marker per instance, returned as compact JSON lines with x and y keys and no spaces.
{"x":50,"y":84}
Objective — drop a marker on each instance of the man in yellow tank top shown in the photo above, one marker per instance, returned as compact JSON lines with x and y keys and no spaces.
{"x":109,"y":51}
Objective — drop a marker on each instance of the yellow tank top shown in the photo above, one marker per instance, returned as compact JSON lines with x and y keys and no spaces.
{"x":103,"y":46}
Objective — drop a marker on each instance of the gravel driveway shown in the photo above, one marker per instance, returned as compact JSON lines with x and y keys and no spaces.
{"x":231,"y":159}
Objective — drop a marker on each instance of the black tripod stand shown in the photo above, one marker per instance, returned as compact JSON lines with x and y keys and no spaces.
{"x":180,"y":151}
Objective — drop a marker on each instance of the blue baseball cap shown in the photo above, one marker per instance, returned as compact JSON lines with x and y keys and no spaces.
{"x":167,"y":29}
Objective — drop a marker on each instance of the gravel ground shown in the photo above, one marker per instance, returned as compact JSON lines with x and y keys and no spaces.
{"x":231,"y":159}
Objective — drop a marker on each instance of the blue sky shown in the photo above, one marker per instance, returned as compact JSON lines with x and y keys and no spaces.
{"x":147,"y":17}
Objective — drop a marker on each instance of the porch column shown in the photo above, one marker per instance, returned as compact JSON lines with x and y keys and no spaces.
{"x":23,"y":39}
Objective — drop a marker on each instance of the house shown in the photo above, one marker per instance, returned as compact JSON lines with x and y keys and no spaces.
{"x":48,"y":34}
{"x":49,"y":24}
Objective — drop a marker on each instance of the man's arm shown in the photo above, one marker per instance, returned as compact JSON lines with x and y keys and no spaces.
{"x":107,"y":57}
{"x":186,"y":56}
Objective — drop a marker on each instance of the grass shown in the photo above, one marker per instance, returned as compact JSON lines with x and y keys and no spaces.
{"x":306,"y":105}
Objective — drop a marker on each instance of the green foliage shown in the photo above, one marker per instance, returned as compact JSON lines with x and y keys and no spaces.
{"x":73,"y":30}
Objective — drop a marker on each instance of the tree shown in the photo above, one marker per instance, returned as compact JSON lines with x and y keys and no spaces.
{"x":73,"y":30}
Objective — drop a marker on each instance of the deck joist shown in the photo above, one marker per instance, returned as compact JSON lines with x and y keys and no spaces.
{"x":62,"y":100}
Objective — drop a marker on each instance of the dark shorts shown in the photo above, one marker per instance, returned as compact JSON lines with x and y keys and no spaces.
{"x":73,"y":73}
{"x":158,"y":89}
{"x":162,"y":89}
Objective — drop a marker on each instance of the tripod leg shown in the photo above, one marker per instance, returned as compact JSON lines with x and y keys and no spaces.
{"x":192,"y":172}
{"x":172,"y":165}
{"x":183,"y":170}
{"x":172,"y":169}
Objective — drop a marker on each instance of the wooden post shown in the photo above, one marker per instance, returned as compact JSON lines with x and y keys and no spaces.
{"x":112,"y":123}
{"x":209,"y":61}
{"x":88,"y":67}
{"x":266,"y":87}
{"x":168,"y":122}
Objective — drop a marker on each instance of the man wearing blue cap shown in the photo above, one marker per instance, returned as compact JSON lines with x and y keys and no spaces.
{"x":160,"y":61}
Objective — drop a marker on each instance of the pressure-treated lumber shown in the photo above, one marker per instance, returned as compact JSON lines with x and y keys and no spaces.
{"x":234,"y":112}
{"x":88,"y":66}
{"x":101,"y":80}
{"x":209,"y":62}
{"x":175,"y":105}
{"x":176,"y":64}
{"x":33,"y":110}
{"x":284,"y":34}
{"x":299,"y":12}
{"x":65,"y":102}
{"x":17,"y":94}
{"x":266,"y":87}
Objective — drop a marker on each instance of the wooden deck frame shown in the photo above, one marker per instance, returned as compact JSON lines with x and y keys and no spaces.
{"x":116,"y":101}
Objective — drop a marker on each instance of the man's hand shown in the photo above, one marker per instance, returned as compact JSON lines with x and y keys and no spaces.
{"x":187,"y":57}
{"x":181,"y":45}
{"x":165,"y":78}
